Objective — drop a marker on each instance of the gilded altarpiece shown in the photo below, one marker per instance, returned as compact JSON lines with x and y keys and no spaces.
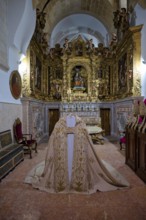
{"x":80,"y":77}
{"x":82,"y":72}
{"x":85,"y":72}
{"x":35,"y":77}
{"x":126,"y":67}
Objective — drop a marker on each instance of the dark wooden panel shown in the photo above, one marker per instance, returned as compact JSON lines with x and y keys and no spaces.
{"x":53,"y":118}
{"x":141,"y":156}
{"x":105,"y":120}
{"x":131,"y":148}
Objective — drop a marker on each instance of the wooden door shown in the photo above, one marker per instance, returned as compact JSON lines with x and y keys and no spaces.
{"x":53,"y":118}
{"x":105,"y":120}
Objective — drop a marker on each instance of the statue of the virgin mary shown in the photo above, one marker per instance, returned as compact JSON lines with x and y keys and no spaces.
{"x":71,"y":164}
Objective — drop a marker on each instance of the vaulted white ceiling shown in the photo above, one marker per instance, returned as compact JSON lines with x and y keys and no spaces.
{"x":90,"y":18}
{"x":79,"y":24}
{"x":68,"y":18}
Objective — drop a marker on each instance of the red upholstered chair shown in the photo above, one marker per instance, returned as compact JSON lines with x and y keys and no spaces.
{"x":122,"y":141}
{"x":26,"y":140}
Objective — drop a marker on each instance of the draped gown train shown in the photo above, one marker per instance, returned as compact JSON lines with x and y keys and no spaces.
{"x":71,"y":164}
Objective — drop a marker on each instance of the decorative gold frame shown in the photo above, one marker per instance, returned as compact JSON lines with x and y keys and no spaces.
{"x":15,"y":84}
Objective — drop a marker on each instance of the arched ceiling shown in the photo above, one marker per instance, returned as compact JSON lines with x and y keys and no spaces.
{"x":79,"y":24}
{"x":60,"y":12}
{"x":67,"y":17}
{"x":142,"y":3}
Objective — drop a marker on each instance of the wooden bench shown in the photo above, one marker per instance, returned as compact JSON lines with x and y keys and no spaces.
{"x":10,"y":153}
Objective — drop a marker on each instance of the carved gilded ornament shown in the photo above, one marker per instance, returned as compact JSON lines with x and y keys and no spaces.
{"x":26,"y":91}
{"x":79,"y":71}
{"x":137,"y":86}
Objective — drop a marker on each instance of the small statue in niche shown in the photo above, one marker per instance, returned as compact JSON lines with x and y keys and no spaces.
{"x":100,"y":90}
{"x":57,"y":91}
{"x":78,"y":80}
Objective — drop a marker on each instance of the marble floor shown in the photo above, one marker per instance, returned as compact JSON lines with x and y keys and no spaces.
{"x":19,"y":201}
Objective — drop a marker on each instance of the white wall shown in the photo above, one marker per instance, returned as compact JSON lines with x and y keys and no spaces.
{"x":8,"y":113}
{"x":3,"y":36}
{"x":25,"y":28}
{"x":19,"y":23}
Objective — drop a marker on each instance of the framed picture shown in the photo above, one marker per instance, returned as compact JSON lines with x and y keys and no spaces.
{"x":15,"y":84}
{"x":122,"y":69}
{"x":38,"y":74}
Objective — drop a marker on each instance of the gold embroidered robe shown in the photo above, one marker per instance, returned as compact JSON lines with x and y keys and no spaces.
{"x":89,"y":172}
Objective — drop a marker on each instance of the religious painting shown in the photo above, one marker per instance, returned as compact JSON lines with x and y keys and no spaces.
{"x":59,"y":72}
{"x":38,"y":74}
{"x":122,"y":69}
{"x":15,"y":84}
